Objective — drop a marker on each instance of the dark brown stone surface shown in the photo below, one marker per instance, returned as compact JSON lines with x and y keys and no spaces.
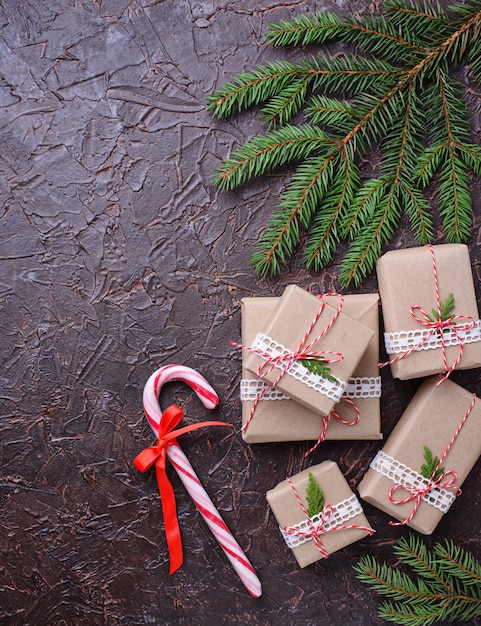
{"x":117,"y":256}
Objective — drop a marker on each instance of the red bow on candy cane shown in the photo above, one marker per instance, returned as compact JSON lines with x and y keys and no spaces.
{"x":157,"y":455}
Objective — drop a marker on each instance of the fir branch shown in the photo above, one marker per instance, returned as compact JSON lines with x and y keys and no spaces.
{"x":331,"y":112}
{"x":376,"y":35}
{"x":351,"y":74}
{"x":446,"y":308}
{"x":305,"y":30}
{"x":422,"y":20}
{"x":318,"y":367}
{"x":431,"y":468}
{"x":250,"y":88}
{"x":324,"y":234}
{"x":376,"y":231}
{"x":283,"y":107}
{"x":266,"y":152}
{"x":447,"y":585}
{"x":392,"y":94}
{"x":314,"y":496}
{"x":305,"y":191}
{"x":474,"y":57}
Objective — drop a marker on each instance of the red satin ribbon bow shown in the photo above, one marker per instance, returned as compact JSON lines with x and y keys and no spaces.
{"x":158,"y":455}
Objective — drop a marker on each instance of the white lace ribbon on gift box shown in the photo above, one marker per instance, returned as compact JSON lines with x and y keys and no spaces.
{"x":401,"y":474}
{"x":330,"y":388}
{"x":341,"y":513}
{"x":405,"y":340}
{"x":360,"y":387}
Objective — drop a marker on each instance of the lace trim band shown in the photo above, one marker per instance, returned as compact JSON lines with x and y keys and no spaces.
{"x":401,"y":474}
{"x":341,"y":513}
{"x":362,"y":387}
{"x":332,"y":389}
{"x":405,"y":340}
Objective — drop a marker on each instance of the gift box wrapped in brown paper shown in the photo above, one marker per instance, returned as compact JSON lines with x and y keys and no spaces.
{"x":432,"y":419}
{"x":284,"y":333}
{"x":279,"y":418}
{"x":407,"y":278}
{"x":347,"y":511}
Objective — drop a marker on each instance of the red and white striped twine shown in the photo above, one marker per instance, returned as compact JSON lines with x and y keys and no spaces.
{"x":445,"y":481}
{"x":334,"y":414}
{"x":456,"y":323}
{"x":285,"y":361}
{"x":317,"y":529}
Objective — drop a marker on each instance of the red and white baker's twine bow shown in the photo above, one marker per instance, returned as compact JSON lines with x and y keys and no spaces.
{"x":162,"y":424}
{"x":319,"y":528}
{"x":456,"y":323}
{"x":445,"y":481}
{"x":285,"y":361}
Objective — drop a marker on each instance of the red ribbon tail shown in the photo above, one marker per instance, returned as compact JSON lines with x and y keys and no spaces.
{"x":169,"y":511}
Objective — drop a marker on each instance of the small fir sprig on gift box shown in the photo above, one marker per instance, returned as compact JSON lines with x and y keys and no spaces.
{"x":319,"y":367}
{"x":431,"y":466}
{"x":395,"y":91}
{"x":446,"y":308}
{"x":314,"y":496}
{"x":446,"y":585}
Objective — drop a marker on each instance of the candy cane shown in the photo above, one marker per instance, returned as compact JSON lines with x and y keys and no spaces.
{"x":186,"y":473}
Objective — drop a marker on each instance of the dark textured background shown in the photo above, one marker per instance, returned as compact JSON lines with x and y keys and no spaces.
{"x":118,"y":255}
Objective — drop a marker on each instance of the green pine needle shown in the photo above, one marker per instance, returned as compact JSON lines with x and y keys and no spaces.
{"x":314,"y":496}
{"x":396,"y":92}
{"x":446,"y":585}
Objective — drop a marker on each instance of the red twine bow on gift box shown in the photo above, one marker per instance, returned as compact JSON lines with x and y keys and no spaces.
{"x":416,"y":494}
{"x":334,"y":414}
{"x":316,"y":529}
{"x":157,"y":455}
{"x":285,"y":361}
{"x":456,"y":323}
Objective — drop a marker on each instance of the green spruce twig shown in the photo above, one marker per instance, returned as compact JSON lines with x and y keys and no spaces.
{"x":318,"y":367}
{"x":395,"y":92}
{"x":446,"y":308}
{"x":314,"y":496}
{"x":430,"y":469}
{"x":446,"y":585}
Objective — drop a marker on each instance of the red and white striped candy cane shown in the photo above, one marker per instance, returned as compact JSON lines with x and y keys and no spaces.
{"x":186,"y":473}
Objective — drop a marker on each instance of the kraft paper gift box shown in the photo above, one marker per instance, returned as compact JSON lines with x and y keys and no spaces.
{"x":431,"y":419}
{"x":406,"y":278}
{"x":284,"y":332}
{"x":289,"y":514}
{"x":279,"y":418}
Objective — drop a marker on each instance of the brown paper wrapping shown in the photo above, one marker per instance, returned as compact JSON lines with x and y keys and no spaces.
{"x":288,"y":324}
{"x":431,"y":419}
{"x":287,"y":420}
{"x":288,"y":512}
{"x":405,"y":278}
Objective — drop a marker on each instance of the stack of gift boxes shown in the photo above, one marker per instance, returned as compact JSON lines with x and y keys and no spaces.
{"x":310,"y":372}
